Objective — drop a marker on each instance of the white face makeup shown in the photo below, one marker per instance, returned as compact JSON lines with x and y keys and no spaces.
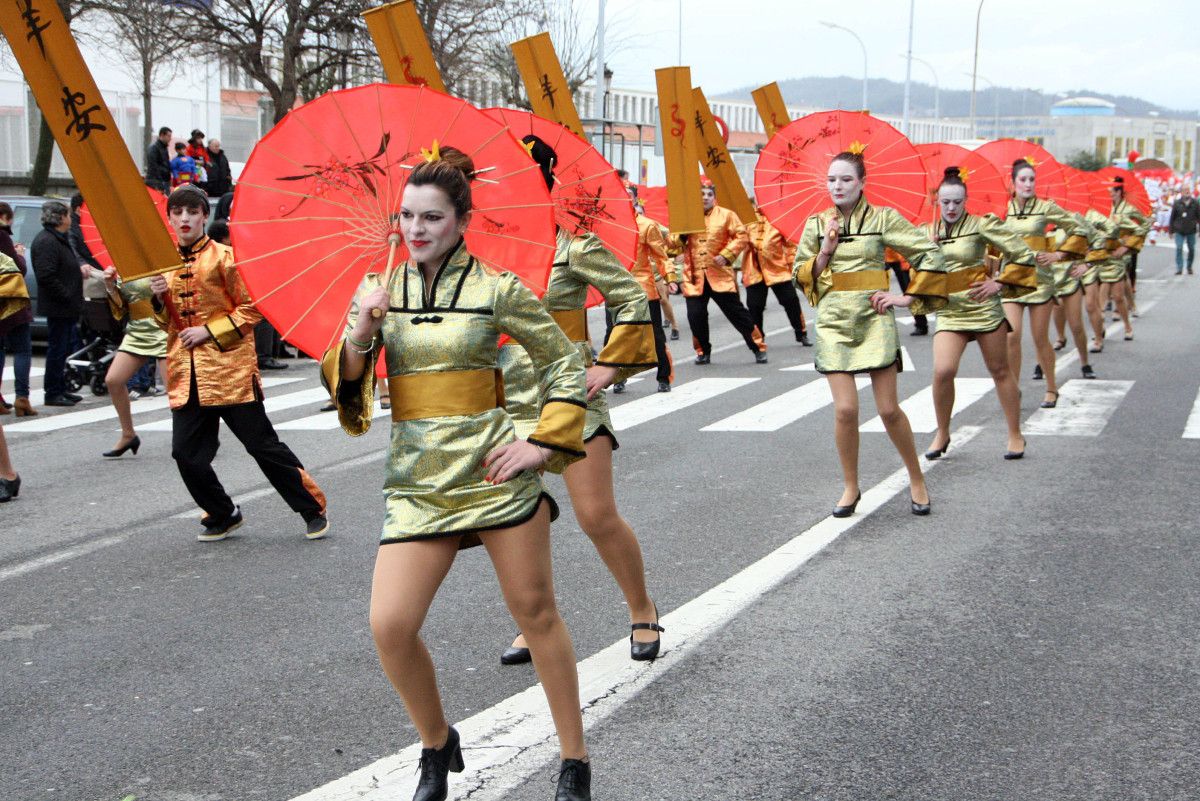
{"x":1025,"y":183}
{"x":952,"y":199}
{"x":708,"y":196}
{"x":845,"y":187}
{"x":188,"y":224}
{"x":429,"y":224}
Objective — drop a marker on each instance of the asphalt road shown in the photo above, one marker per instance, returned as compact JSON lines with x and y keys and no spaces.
{"x":1033,"y":638}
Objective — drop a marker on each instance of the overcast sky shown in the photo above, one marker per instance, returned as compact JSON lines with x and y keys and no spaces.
{"x":1145,"y":48}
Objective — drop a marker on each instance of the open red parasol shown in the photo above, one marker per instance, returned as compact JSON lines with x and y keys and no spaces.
{"x":1098,"y":197}
{"x":317,"y":204}
{"x":1078,"y":197}
{"x":654,"y":203}
{"x":986,"y":190}
{"x":1051,"y":183}
{"x":91,"y":233}
{"x":789,"y":179}
{"x":1135,"y":191}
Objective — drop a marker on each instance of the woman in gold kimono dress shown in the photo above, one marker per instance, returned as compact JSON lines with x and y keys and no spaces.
{"x":1101,"y":234}
{"x":840,"y":269}
{"x":1129,"y":227}
{"x":1029,"y":216}
{"x":580,"y":262}
{"x":1070,"y":299}
{"x":457,"y":474}
{"x":974,"y":311}
{"x":143,"y":340}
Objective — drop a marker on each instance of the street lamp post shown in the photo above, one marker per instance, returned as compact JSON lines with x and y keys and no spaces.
{"x":864,"y":52}
{"x":598,"y":90}
{"x":995,"y":106}
{"x":975,"y":67}
{"x":937,"y":89}
{"x":912,"y":10}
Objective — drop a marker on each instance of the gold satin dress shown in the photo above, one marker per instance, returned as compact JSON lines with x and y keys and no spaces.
{"x":1102,"y":233}
{"x":580,"y":262}
{"x":1029,"y":219}
{"x":143,"y":336}
{"x":1131,"y":227}
{"x":440,"y":347}
{"x":964,"y":246}
{"x":851,"y":336}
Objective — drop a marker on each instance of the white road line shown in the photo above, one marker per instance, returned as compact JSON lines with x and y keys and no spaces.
{"x":919,"y":406}
{"x":782,"y":410}
{"x":1192,"y":429}
{"x":515,"y":739}
{"x":1084,"y":407}
{"x":741,"y":343}
{"x":55,"y":422}
{"x":906,"y":361}
{"x":807,"y":367}
{"x":9,"y":384}
{"x":277,"y":403}
{"x":21,"y":568}
{"x":1110,"y":333}
{"x":643,"y":410}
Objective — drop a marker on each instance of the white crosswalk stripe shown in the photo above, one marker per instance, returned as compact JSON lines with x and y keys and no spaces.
{"x":782,"y":410}
{"x":1083,"y":410}
{"x":919,"y":406}
{"x":1192,"y":429}
{"x":58,"y":422}
{"x":324,"y":421}
{"x":278,"y":403}
{"x":643,"y":410}
{"x":8,"y":385}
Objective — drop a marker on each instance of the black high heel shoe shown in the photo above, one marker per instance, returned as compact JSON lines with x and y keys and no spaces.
{"x":574,"y":781}
{"x":515,"y":656}
{"x":9,"y":489}
{"x":645,"y":651}
{"x":435,"y":765}
{"x":919,"y":509}
{"x":1011,"y":455}
{"x":846,"y":511}
{"x":1050,"y":404}
{"x":132,"y":445}
{"x":939,"y":452}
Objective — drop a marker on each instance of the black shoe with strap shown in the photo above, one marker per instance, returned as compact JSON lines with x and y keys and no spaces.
{"x":574,"y":781}
{"x":645,"y":651}
{"x":435,"y":766}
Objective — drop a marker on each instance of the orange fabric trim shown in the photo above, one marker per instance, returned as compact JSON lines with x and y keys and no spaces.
{"x":418,"y":396}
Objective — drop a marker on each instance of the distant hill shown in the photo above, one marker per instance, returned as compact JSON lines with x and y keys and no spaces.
{"x":887,"y":97}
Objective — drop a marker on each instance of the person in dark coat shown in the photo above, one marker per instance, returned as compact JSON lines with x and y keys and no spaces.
{"x":15,"y":329}
{"x":60,"y":296}
{"x":220,"y":177}
{"x":158,"y":161}
{"x":1185,"y":213}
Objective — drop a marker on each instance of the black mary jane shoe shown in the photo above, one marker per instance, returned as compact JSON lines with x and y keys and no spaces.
{"x":1011,"y":455}
{"x":846,"y":511}
{"x":515,"y":656}
{"x":919,"y":509}
{"x":132,"y":445}
{"x":645,"y":651}
{"x":574,"y":781}
{"x":1087,"y":371}
{"x":1050,"y":404}
{"x":434,"y":767}
{"x":938,"y":453}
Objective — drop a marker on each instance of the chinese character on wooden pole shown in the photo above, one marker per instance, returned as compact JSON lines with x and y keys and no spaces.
{"x":771,"y":108}
{"x":402,"y":45}
{"x":545,"y":83}
{"x":88,"y":137}
{"x":676,"y":112}
{"x":718,"y":166}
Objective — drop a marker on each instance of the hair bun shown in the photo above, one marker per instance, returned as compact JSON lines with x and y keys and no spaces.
{"x":458,"y":160}
{"x":952,"y":172}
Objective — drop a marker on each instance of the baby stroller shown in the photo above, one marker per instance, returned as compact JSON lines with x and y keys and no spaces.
{"x":101,"y":335}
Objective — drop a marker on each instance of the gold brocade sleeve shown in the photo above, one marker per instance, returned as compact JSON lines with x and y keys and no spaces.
{"x":1076,"y":229}
{"x":1140,"y":225}
{"x":806,"y":261}
{"x":355,"y":400}
{"x":560,"y":369}
{"x":630,"y":346}
{"x":927,"y":273}
{"x":227,"y":329}
{"x":1018,"y":271}
{"x":656,"y":247}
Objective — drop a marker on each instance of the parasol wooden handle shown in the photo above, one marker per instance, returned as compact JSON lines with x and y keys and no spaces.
{"x":394,"y":242}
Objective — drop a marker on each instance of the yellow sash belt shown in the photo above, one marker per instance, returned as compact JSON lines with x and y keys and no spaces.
{"x":1038,"y":243}
{"x":454,"y":392}
{"x":573,"y":322}
{"x":140,"y":310}
{"x":961,"y":280}
{"x":860,"y":280}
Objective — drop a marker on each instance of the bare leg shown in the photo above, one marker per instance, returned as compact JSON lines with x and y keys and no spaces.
{"x":845,"y":431}
{"x":407,"y":576}
{"x":883,"y":384}
{"x":1060,"y":325}
{"x":122,"y":368}
{"x":1015,"y":314}
{"x":1095,"y":305}
{"x":1072,"y":309}
{"x":521,"y":556}
{"x":948,"y":347}
{"x":6,"y":469}
{"x":1119,"y":296}
{"x":995,"y":357}
{"x":1039,"y":328}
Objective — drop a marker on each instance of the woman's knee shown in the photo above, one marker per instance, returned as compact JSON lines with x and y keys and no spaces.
{"x":393,"y":628}
{"x":535,"y":610}
{"x":945,"y":373}
{"x":845,"y":414}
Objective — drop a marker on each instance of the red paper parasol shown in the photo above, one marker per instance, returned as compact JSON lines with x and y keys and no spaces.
{"x":789,"y":179}
{"x":1078,"y":198}
{"x":91,"y":234}
{"x":986,"y":191}
{"x":1051,"y":183}
{"x":654,"y":203}
{"x":1098,"y":197}
{"x":1135,"y":192}
{"x":319,"y":196}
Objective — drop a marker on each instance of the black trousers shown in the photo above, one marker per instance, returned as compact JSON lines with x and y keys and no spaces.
{"x":266,"y":340}
{"x":660,"y":339}
{"x":785,"y":293}
{"x":194,"y":443}
{"x":731,"y":306}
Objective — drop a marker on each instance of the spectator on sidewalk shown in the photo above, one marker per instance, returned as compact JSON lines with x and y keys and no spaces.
{"x":183,"y":167}
{"x":158,"y":161}
{"x":224,"y":206}
{"x":199,"y":154}
{"x":15,"y":329}
{"x":220,"y":178}
{"x":1184,"y":214}
{"x":60,"y":297}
